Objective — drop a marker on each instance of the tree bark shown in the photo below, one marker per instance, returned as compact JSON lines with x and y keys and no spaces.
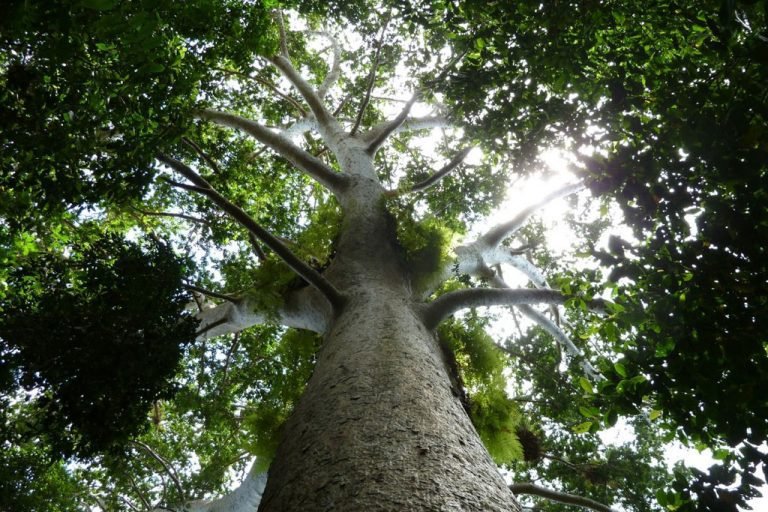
{"x":380,"y":426}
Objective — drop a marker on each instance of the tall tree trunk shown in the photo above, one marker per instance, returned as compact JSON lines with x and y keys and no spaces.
{"x":380,"y":426}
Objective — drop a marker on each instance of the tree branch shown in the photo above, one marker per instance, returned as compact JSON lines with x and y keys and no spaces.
{"x":168,"y":469}
{"x":450,"y":303}
{"x":256,"y":247}
{"x":304,"y":308}
{"x":209,"y":293}
{"x":447,"y":168}
{"x":335,"y":71}
{"x":494,"y":237}
{"x":306,"y":162}
{"x":171,"y":214}
{"x":283,"y":37}
{"x":390,"y":127}
{"x":184,"y":186}
{"x":211,"y":163}
{"x":309,"y":274}
{"x":371,"y":79}
{"x":410,"y":124}
{"x":560,"y":497}
{"x":247,"y":496}
{"x":560,"y":337}
{"x":270,"y":85}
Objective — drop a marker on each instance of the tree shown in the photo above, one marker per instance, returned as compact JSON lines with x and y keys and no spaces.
{"x":163,"y":151}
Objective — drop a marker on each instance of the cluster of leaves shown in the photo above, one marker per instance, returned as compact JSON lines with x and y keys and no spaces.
{"x":94,"y":337}
{"x":426,"y":243}
{"x":481,"y":365}
{"x":92,"y":90}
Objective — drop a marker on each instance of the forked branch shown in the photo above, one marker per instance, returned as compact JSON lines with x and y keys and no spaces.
{"x":205,"y":156}
{"x":312,"y":276}
{"x":389,"y":128}
{"x":166,"y":466}
{"x":560,"y":497}
{"x":324,"y":118}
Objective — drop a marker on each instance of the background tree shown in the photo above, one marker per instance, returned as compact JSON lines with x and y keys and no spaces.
{"x":99,"y":239}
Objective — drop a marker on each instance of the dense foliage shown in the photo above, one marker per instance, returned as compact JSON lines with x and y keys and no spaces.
{"x":664,"y":105}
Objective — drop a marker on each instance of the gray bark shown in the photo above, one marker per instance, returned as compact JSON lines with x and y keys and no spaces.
{"x":379,"y":426}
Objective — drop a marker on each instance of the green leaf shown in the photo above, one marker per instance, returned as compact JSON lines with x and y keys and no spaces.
{"x":582,"y":428}
{"x":589,"y":412}
{"x":620,"y":369}
{"x":586,"y":385}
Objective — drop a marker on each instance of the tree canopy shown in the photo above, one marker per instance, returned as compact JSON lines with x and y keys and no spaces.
{"x":148,"y":183}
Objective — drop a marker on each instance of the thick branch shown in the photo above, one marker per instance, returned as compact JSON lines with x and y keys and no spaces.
{"x":494,"y":237}
{"x":308,"y":163}
{"x":560,"y":497}
{"x":184,"y":186}
{"x":447,"y":168}
{"x":245,"y":498}
{"x":309,"y":274}
{"x":316,"y":105}
{"x":302,"y":309}
{"x":335,"y":71}
{"x":390,"y":127}
{"x":450,"y":303}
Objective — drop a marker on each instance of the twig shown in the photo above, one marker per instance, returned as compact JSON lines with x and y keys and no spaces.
{"x":168,"y":469}
{"x":213,"y":165}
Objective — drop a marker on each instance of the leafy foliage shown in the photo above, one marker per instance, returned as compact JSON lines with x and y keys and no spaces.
{"x":94,"y":336}
{"x":666,"y":99}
